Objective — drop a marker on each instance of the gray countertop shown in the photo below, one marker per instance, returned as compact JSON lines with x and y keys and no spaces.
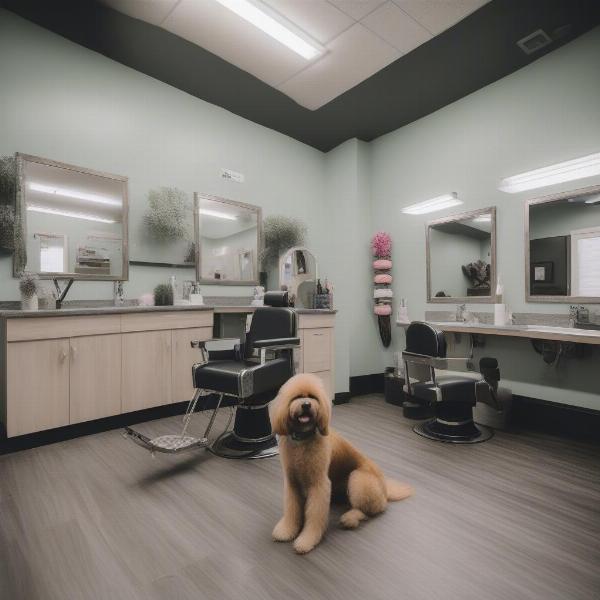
{"x":111,"y":310}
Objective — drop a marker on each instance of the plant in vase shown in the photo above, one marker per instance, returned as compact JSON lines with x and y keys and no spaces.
{"x":163,"y":295}
{"x":28,"y":286}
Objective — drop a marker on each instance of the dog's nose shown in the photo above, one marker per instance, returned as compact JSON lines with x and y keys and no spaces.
{"x":306,"y":406}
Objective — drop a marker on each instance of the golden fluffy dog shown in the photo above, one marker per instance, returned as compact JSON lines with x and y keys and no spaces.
{"x":318,"y":463}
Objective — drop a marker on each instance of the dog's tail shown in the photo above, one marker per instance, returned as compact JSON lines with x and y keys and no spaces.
{"x":397,"y":491}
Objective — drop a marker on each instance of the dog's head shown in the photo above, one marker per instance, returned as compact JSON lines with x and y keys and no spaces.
{"x":301,"y":407}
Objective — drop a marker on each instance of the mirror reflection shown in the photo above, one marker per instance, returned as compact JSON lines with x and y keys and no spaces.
{"x":74,"y":221}
{"x":298,"y":275}
{"x":460,"y":251}
{"x":564,"y":246}
{"x":229,"y":234}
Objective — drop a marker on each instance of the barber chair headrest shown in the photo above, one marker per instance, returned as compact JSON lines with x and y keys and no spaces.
{"x":276,"y":299}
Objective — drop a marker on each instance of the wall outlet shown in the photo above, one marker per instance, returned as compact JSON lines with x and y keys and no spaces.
{"x":232,"y":175}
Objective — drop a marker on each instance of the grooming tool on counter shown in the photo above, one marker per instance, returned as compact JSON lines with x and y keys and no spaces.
{"x":195,"y":295}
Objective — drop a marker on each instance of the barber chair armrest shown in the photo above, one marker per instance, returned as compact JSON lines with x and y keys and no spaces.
{"x":223,"y":354}
{"x":277,"y":343}
{"x":436,"y":362}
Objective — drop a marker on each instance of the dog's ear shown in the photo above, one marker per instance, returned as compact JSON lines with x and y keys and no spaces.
{"x":278,"y":414}
{"x":324,"y":414}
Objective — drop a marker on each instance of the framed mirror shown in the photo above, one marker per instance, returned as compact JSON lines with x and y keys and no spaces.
{"x":228,"y":240}
{"x":298,"y":274}
{"x":562,"y":247}
{"x":461,"y":257}
{"x":72,"y":221}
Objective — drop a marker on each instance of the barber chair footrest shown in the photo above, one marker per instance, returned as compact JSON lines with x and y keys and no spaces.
{"x":230,"y":446}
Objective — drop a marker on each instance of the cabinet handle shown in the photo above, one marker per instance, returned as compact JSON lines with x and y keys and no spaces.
{"x":73,"y":352}
{"x":62,"y":356}
{"x":318,"y":334}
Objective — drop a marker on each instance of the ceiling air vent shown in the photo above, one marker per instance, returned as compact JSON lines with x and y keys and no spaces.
{"x":534,"y":41}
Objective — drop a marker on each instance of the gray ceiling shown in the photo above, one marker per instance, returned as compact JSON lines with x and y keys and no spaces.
{"x":472,"y":54}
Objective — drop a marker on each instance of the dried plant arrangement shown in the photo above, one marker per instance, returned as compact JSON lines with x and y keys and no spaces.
{"x":169,"y":214}
{"x":28,"y":285}
{"x":8,"y":188}
{"x":280,"y":234}
{"x":381,"y":247}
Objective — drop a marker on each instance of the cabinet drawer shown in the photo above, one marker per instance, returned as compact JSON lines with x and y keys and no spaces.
{"x":316,"y":350}
{"x":155,"y":321}
{"x":315,"y":321}
{"x":325,"y":377}
{"x":47,"y":328}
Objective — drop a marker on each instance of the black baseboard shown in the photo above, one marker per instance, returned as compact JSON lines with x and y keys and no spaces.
{"x":51,"y":436}
{"x":366,"y":384}
{"x":556,"y":419}
{"x":341,"y":398}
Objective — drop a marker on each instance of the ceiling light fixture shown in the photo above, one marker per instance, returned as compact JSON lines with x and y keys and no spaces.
{"x":219,"y":215}
{"x":483,"y":219}
{"x":593,"y":200}
{"x":438,"y":203}
{"x":578,"y":168}
{"x":48,"y":189}
{"x":66,"y":213}
{"x":275,"y":25}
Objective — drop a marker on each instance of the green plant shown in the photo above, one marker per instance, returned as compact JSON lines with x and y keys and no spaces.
{"x":163,"y":295}
{"x":280,"y":234}
{"x":28,"y":285}
{"x":167,"y":216}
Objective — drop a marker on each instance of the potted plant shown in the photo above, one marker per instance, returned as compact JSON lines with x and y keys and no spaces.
{"x":168,"y":214}
{"x":28,"y":286}
{"x":280,"y":233}
{"x":163,"y":295}
{"x":8,"y":187}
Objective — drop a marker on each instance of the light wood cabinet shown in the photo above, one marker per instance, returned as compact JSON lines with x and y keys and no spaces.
{"x":146,"y":369}
{"x":183,"y":358}
{"x":95,"y":377}
{"x":317,"y":348}
{"x":37,"y":395}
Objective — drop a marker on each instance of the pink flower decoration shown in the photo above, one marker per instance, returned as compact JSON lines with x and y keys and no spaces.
{"x":382,"y":244}
{"x":382,"y":278}
{"x":383,"y":310}
{"x":382,"y":263}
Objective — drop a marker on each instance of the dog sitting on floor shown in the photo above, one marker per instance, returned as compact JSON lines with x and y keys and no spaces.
{"x":319,"y":464}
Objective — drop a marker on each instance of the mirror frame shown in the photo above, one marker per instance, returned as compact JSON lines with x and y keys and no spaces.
{"x":548,"y":200}
{"x":492,"y":298}
{"x":21,"y":157}
{"x":259,"y":240}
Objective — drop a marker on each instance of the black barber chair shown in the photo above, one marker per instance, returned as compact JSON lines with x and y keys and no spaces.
{"x":252,"y":373}
{"x":450,"y":397}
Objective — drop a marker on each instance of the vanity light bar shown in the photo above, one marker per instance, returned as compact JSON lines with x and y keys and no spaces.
{"x":216,"y":213}
{"x":47,"y":189}
{"x":66,"y":213}
{"x":275,"y":25}
{"x":578,"y":168}
{"x":438,"y":203}
{"x":483,"y":219}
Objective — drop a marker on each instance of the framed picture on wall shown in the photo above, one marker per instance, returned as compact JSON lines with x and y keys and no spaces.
{"x":543,"y":271}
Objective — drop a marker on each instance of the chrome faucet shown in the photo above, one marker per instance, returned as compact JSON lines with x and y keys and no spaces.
{"x":460,"y":313}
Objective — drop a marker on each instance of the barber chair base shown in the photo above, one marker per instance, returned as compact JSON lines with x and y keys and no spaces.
{"x":460,"y":433}
{"x":229,"y":446}
{"x":251,"y":436}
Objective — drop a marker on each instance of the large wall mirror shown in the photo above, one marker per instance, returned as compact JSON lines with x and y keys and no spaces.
{"x":228,"y":242}
{"x":562,"y":239}
{"x":72,"y":221}
{"x":461,"y":257}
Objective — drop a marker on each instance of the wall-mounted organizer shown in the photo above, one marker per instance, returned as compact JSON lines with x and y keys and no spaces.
{"x":381,"y":245}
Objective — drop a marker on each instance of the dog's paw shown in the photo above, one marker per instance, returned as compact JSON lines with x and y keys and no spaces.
{"x":284,"y":532}
{"x":302,"y":545}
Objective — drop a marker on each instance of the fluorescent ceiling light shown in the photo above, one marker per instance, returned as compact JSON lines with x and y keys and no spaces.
{"x":593,"y":200}
{"x":483,"y":219}
{"x":216,"y":213}
{"x":68,"y":193}
{"x":66,"y":213}
{"x":579,"y":168}
{"x":274,"y":25}
{"x":438,"y":203}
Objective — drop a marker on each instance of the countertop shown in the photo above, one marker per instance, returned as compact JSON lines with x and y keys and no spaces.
{"x":105,"y":310}
{"x":540,"y":332}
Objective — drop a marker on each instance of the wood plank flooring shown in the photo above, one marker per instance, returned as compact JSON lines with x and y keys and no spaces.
{"x":97,"y":518}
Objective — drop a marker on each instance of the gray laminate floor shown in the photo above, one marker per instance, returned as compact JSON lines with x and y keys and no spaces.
{"x":517,"y":517}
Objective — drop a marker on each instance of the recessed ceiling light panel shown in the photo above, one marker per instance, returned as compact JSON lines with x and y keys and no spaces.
{"x":278,"y":27}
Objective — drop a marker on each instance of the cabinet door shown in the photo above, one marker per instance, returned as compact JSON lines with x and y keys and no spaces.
{"x":316,"y":350}
{"x":326,"y":378}
{"x":146,"y":374}
{"x":183,"y":358}
{"x":95,"y":376}
{"x":37,"y":385}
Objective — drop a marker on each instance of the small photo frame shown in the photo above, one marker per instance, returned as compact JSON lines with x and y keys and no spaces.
{"x":543,"y":272}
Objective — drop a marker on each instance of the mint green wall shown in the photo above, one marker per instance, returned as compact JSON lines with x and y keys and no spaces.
{"x":62,"y":101}
{"x":545,"y":113}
